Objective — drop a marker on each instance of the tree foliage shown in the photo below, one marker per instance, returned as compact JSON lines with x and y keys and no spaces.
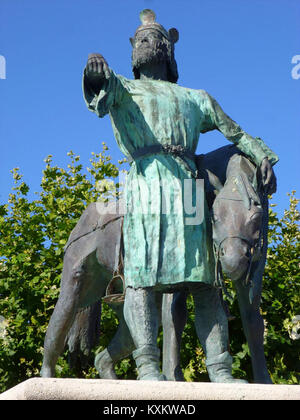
{"x":33,"y":232}
{"x":281,"y":296}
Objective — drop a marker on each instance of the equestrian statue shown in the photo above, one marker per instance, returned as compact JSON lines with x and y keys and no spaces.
{"x":147,"y":252}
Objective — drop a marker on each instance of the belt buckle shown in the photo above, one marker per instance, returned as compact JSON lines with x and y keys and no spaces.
{"x":174,"y":149}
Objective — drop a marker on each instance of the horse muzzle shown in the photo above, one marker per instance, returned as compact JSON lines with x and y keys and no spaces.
{"x":235,"y":258}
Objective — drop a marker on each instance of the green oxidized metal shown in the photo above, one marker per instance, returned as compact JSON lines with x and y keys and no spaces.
{"x":150,"y":112}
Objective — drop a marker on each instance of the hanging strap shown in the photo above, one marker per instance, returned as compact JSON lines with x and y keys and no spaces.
{"x":111,"y":297}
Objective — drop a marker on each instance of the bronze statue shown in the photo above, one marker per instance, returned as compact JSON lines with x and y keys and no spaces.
{"x":157,"y":125}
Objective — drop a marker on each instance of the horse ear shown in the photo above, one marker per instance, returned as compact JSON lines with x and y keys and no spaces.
{"x":214,"y":181}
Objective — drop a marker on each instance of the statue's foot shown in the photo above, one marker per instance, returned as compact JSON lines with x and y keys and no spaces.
{"x":152,"y":377}
{"x":105,"y":366}
{"x":219,"y":369}
{"x":147,"y":363}
{"x":233,"y":381}
{"x":220,"y":373}
{"x":229,"y":379}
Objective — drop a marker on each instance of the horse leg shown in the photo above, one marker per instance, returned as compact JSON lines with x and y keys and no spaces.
{"x":253,"y":326}
{"x":119,"y":347}
{"x":61,"y":320}
{"x":212,"y":330}
{"x":174,"y":317}
{"x":77,"y":291}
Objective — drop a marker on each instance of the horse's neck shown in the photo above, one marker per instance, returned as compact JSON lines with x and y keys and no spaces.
{"x":241,"y":181}
{"x":217,"y":160}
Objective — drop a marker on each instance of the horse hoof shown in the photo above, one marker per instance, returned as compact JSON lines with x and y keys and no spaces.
{"x":47,"y":372}
{"x":104,"y":365}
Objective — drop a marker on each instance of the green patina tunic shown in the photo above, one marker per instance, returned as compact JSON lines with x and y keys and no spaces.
{"x":161,"y":248}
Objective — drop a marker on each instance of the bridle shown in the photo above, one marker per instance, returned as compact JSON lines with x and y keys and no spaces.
{"x":254,"y":246}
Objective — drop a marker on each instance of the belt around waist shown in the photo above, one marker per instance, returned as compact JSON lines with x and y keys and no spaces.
{"x":175,"y":150}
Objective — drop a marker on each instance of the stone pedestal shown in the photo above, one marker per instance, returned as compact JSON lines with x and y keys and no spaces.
{"x":104,"y":389}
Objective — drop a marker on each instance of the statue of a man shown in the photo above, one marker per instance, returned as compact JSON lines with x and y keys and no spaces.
{"x":157,"y":124}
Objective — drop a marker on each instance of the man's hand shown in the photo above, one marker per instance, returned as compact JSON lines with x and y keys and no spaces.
{"x":97,"y":68}
{"x":268,"y":177}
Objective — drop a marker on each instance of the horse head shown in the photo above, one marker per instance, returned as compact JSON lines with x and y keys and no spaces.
{"x":237,"y":217}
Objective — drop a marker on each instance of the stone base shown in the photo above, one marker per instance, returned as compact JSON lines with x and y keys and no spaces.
{"x":105,"y":389}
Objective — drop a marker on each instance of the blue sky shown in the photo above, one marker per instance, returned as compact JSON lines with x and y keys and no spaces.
{"x":240,"y":51}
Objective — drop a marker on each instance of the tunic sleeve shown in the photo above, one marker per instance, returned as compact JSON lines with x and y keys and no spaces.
{"x":111,"y":94}
{"x":252,"y":147}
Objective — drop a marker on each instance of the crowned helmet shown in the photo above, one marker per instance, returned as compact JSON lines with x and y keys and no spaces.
{"x":171,"y":36}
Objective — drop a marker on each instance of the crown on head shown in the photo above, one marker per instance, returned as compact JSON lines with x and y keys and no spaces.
{"x":148,"y":17}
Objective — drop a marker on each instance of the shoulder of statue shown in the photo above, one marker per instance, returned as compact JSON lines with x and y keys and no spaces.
{"x":201,"y":96}
{"x":205,"y":95}
{"x":200,"y":93}
{"x":127,"y":83}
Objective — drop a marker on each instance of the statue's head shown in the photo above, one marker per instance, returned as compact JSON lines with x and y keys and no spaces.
{"x":153,"y":44}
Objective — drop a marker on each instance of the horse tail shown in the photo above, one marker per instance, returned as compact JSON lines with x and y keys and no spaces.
{"x":83,"y":336}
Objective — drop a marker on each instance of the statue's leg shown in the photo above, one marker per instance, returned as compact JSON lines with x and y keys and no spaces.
{"x":212,"y":329}
{"x":174,"y":317}
{"x":253,"y":326}
{"x":142,"y":317}
{"x":119,"y":347}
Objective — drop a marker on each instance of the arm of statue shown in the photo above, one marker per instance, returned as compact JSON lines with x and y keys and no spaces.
{"x":268,"y":177}
{"x":102,"y":88}
{"x":257,"y":151}
{"x":96,"y":71}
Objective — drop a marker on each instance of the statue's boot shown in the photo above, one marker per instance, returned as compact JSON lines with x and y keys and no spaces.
{"x":142,"y":318}
{"x":147,"y":361}
{"x":219,"y":369}
{"x":105,"y":365}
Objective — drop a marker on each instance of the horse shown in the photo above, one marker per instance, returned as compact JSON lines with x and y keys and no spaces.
{"x":92,"y":270}
{"x":239,"y":216}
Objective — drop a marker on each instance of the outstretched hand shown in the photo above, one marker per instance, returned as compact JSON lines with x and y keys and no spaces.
{"x":97,"y":67}
{"x":268,"y":177}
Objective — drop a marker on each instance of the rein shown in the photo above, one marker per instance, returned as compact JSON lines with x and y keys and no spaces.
{"x":253,"y":247}
{"x":218,"y":270}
